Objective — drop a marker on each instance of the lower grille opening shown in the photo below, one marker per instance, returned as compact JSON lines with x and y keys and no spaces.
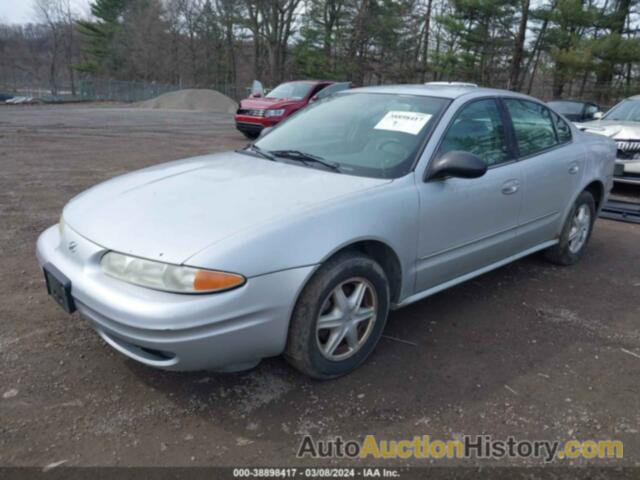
{"x":140,"y":351}
{"x":158,"y":353}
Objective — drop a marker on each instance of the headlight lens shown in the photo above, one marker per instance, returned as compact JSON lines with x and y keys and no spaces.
{"x":167,"y":277}
{"x":274,"y":113}
{"x":61,"y":224}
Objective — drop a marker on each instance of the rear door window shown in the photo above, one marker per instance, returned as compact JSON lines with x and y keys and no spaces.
{"x":533,"y":126}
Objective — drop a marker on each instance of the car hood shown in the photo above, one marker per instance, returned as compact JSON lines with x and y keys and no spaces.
{"x":172,"y":211}
{"x":265,"y":103}
{"x":618,"y":130}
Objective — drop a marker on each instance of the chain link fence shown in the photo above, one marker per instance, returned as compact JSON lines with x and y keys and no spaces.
{"x":96,"y":89}
{"x":121,"y":91}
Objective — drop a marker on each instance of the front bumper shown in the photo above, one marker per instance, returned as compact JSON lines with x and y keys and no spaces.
{"x":627,"y":171}
{"x":254,"y":125}
{"x":223,"y":331}
{"x":250,"y":129}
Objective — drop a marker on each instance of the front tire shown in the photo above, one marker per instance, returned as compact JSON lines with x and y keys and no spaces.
{"x":339,"y":317}
{"x":576,"y":232}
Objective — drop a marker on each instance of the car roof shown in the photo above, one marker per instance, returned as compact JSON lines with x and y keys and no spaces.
{"x":309,"y":81}
{"x":451,"y":91}
{"x":568,"y":100}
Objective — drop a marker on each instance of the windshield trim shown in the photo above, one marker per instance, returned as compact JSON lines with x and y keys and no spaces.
{"x":418,"y":151}
{"x":427,"y":138}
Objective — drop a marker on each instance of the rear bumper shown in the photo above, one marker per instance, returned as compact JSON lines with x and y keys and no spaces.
{"x":224,"y":331}
{"x":629,"y":180}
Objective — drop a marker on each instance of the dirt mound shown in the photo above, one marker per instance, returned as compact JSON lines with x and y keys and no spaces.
{"x":192,"y":99}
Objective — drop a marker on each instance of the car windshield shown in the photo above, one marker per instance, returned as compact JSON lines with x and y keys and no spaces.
{"x":567,"y":108}
{"x":290,"y":90}
{"x":627,"y":110}
{"x":368,"y":134}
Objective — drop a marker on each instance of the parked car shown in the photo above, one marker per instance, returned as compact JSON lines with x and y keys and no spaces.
{"x":257,"y":112}
{"x":576,"y":110}
{"x":622,"y":123}
{"x":20,"y":100}
{"x":301,"y":243}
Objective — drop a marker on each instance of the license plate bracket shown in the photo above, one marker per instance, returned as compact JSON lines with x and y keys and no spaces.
{"x":59,"y":287}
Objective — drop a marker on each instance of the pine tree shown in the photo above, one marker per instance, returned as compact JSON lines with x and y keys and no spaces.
{"x":100,"y":35}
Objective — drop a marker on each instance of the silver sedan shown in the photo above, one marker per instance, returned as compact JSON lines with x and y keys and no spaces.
{"x":301,"y":243}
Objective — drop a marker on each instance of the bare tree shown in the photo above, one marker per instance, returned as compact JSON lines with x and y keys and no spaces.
{"x":425,"y":43}
{"x":48,"y":12}
{"x":518,"y":48}
{"x":60,"y":20}
{"x":273,"y":23}
{"x":228,"y":14}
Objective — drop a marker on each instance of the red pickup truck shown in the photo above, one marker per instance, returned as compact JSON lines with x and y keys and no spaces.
{"x":257,"y":112}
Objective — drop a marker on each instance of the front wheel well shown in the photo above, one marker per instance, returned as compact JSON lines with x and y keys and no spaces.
{"x":386,"y":257}
{"x":596,"y":189}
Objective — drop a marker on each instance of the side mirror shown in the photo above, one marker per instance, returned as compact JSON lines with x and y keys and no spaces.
{"x":598,"y":115}
{"x":264,"y":131}
{"x":458,"y":164}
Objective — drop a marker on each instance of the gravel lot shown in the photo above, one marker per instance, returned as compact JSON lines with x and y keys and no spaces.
{"x":529,"y":350}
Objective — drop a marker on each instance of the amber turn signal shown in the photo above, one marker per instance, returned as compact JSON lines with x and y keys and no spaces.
{"x":209,"y":281}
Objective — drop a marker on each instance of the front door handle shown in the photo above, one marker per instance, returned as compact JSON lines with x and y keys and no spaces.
{"x":574,"y":168}
{"x":510,"y":187}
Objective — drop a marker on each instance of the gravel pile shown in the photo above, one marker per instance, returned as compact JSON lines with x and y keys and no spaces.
{"x":192,"y":99}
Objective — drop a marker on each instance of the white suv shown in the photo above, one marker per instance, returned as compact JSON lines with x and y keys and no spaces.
{"x":622,"y":123}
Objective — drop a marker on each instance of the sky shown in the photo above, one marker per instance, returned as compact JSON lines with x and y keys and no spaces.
{"x":21,"y":11}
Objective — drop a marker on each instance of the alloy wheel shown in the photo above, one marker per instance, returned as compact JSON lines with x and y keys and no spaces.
{"x":580,"y":226}
{"x":346,"y":319}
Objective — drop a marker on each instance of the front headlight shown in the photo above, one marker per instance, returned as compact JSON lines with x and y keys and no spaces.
{"x":61,"y":224}
{"x":167,"y":277}
{"x":274,"y":113}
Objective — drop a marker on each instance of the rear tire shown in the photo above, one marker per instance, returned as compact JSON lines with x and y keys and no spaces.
{"x":339,"y":316}
{"x":576,"y":232}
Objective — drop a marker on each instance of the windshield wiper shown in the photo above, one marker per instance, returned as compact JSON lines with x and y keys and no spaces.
{"x":257,"y":150}
{"x":304,"y":157}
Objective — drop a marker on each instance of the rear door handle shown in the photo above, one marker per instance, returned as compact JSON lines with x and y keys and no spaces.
{"x":510,"y":187}
{"x":574,"y":168}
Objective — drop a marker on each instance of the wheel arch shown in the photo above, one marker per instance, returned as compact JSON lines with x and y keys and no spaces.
{"x":384,"y":255}
{"x":596,"y":189}
{"x":379,"y":251}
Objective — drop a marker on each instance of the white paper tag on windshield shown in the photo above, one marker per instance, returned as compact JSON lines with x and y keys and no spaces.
{"x":405,"y":122}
